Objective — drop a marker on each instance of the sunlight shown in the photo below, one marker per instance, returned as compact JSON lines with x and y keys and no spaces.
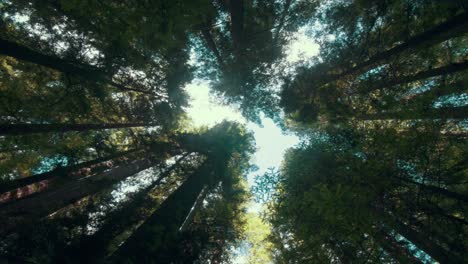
{"x":301,"y":47}
{"x":203,"y":111}
{"x":270,"y":141}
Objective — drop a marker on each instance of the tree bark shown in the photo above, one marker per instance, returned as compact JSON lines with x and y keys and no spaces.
{"x":154,"y":238}
{"x":451,"y":28}
{"x":453,"y":195}
{"x":24,"y":53}
{"x":397,"y":251}
{"x":212,"y":45}
{"x":428,"y":114}
{"x":59,"y":172}
{"x":23,"y":129}
{"x":444,"y":70}
{"x":421,"y":241}
{"x":46,"y":203}
{"x":236,"y":9}
{"x":93,"y":249}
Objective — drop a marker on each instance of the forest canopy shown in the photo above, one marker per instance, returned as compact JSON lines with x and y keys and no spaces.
{"x":100,"y":162}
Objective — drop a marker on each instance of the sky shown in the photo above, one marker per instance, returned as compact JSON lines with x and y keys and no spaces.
{"x":271,"y":141}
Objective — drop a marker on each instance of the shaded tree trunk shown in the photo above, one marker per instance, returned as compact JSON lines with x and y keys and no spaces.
{"x":48,"y":202}
{"x":431,"y":114}
{"x":396,"y":250}
{"x":421,"y":241}
{"x":451,"y":28}
{"x":444,"y":70}
{"x":92,"y":249}
{"x":24,"y":53}
{"x":436,"y":190}
{"x":22,"y":129}
{"x":154,"y":238}
{"x":236,"y":9}
{"x":59,"y":172}
{"x":212,"y":45}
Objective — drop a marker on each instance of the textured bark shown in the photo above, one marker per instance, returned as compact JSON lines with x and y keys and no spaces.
{"x":24,"y":53}
{"x":22,"y":129}
{"x":48,"y":202}
{"x":154,"y":238}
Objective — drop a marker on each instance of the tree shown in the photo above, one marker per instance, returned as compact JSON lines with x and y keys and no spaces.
{"x":353,"y":195}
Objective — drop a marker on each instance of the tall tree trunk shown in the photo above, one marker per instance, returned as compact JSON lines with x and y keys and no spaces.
{"x":212,"y":45}
{"x":436,"y":190}
{"x":428,"y":114}
{"x":59,"y":172}
{"x":94,"y":248}
{"x":22,"y":129}
{"x":396,"y":250}
{"x":24,"y":53}
{"x":236,"y":9}
{"x":451,"y":28}
{"x":48,"y":202}
{"x":421,"y":241}
{"x":444,"y":70}
{"x":155,"y":236}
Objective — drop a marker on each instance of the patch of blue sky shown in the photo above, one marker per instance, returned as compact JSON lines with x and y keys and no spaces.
{"x":50,"y":163}
{"x":452,"y":100}
{"x":374,"y":71}
{"x":423,"y":256}
{"x":422,"y":88}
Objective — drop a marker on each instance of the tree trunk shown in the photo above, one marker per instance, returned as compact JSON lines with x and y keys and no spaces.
{"x":46,"y":203}
{"x":236,"y":9}
{"x":59,"y":172}
{"x":448,"y":69}
{"x":427,"y":114}
{"x":421,"y":241}
{"x":24,"y":53}
{"x":22,"y":129}
{"x":397,"y":251}
{"x":212,"y":45}
{"x":451,"y":28}
{"x":94,"y":248}
{"x":449,"y":194}
{"x":154,"y":237}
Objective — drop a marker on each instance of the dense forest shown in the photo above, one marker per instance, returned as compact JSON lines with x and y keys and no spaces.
{"x":100,"y":163}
